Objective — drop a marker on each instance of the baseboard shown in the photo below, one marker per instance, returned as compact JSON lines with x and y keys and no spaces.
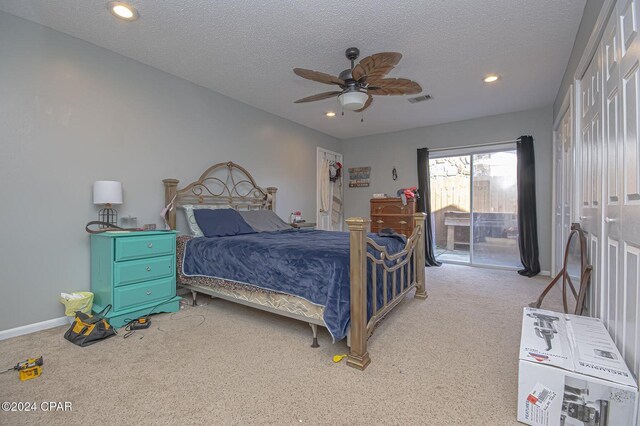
{"x":545,"y":273}
{"x":32,"y":328}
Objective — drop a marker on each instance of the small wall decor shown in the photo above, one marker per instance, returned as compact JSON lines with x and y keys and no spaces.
{"x":394,"y":174}
{"x":359,"y":177}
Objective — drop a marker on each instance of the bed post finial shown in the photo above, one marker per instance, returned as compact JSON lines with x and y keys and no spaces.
{"x":170,"y":187}
{"x":358,"y":355}
{"x":421,"y":285}
{"x":271,"y":192}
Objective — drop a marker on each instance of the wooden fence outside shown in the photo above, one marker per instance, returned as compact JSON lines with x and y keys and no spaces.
{"x":450,"y":192}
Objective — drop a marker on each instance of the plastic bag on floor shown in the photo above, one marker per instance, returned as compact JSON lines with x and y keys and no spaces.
{"x":77,"y":301}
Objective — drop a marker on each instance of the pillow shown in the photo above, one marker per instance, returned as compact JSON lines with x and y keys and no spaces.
{"x":221,"y":223}
{"x":194,"y":229}
{"x":264,"y":220}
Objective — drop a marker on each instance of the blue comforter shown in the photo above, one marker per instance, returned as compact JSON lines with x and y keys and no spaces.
{"x":313,"y":265}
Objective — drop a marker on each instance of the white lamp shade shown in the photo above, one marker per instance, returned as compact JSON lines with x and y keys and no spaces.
{"x":353,"y":100}
{"x":107,"y":192}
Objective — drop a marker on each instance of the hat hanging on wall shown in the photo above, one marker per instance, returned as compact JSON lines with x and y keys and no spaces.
{"x":107,"y":193}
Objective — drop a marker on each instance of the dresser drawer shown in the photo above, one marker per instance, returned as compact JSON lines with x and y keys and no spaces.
{"x":128,"y":248}
{"x":143,"y":293}
{"x":133,"y":271}
{"x":400,"y":224}
{"x":392,"y":206}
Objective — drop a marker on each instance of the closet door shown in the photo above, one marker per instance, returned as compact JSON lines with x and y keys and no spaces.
{"x":568,"y":168}
{"x":563,"y":169}
{"x":628,"y":218}
{"x":558,"y":201}
{"x":612,"y":305}
{"x":591,"y":173}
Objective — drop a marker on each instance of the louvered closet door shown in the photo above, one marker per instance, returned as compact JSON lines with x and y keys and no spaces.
{"x":627,"y":161}
{"x":591,"y":172}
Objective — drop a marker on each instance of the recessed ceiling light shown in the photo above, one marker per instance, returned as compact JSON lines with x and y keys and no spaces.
{"x":330,"y":114}
{"x":123,"y":10}
{"x":491,"y":78}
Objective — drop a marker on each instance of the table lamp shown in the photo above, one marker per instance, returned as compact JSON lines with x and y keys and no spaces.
{"x":107,"y":192}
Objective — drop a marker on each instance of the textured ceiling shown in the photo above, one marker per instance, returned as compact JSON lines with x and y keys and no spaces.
{"x":246,"y":49}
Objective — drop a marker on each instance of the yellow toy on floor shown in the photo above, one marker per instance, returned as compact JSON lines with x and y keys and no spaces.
{"x":338,"y":358}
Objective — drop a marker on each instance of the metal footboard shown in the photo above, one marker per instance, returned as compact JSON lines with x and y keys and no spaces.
{"x":403,"y":271}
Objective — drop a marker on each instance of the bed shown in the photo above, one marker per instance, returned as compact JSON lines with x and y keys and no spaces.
{"x":281,"y":272}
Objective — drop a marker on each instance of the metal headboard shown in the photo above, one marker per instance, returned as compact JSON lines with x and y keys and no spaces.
{"x":221,"y":184}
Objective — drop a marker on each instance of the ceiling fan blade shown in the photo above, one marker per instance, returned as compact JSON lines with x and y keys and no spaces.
{"x":318,"y":97}
{"x":318,"y":76}
{"x":376,"y":66}
{"x":394,"y":86}
{"x":366,"y":104}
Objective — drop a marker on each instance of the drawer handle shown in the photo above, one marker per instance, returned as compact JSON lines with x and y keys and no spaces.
{"x":402,"y":222}
{"x":379,"y":221}
{"x":148,"y":268}
{"x":150,"y":245}
{"x":148,"y":292}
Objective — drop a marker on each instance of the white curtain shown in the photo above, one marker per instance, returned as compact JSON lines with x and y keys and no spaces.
{"x":325,"y":186}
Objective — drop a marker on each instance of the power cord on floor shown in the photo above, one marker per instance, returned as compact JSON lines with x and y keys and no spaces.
{"x":173,"y":318}
{"x":128,"y":329}
{"x":129,"y":322}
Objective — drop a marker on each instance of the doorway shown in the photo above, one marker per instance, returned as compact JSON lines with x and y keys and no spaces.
{"x":474,"y":206}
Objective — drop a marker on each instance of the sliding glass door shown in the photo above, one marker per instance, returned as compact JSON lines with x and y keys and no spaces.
{"x":451,"y":207}
{"x":474,"y":207}
{"x":495,"y":207}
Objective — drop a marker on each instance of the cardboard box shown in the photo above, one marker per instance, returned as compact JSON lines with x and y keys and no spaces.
{"x":571,"y":373}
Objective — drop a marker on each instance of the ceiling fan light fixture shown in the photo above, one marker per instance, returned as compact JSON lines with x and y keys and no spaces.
{"x":123,"y":10}
{"x":353,"y":100}
{"x":491,"y":78}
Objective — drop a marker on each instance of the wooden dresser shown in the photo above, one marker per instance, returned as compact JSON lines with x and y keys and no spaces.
{"x":391,"y":213}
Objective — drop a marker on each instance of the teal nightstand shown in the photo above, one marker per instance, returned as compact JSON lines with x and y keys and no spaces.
{"x":135,"y":272}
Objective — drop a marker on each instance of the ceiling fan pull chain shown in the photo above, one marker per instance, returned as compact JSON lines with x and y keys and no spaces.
{"x":362,"y":118}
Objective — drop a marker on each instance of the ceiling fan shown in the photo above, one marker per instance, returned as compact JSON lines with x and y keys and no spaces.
{"x":361,"y":81}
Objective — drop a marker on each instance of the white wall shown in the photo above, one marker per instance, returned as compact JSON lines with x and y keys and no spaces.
{"x":399,"y":149}
{"x":72,"y":113}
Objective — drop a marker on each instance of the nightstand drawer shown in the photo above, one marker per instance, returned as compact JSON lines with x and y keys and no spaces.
{"x":143,"y":293}
{"x":129,"y":248}
{"x":143,"y":270}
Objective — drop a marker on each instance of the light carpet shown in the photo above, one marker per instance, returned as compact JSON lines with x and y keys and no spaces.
{"x":447,"y":360}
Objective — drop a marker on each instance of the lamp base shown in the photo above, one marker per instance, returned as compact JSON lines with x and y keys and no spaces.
{"x":108,"y":215}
